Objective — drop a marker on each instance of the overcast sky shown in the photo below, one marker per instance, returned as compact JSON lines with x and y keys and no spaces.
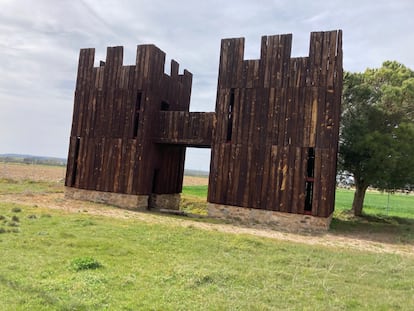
{"x":40,"y":42}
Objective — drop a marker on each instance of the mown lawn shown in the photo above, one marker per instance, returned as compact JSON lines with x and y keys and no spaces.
{"x":376,"y":203}
{"x":167,"y":267}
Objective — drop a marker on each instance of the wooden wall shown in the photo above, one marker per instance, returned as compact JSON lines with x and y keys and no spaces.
{"x":192,"y":129}
{"x":116,"y":116}
{"x":274,"y":134}
{"x":273,"y":114}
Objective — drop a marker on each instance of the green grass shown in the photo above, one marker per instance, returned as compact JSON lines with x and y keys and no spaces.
{"x":193,"y":199}
{"x":9,"y":186}
{"x":167,"y":267}
{"x":196,"y":191}
{"x":395,"y":224}
{"x":400,"y":205}
{"x":376,"y":203}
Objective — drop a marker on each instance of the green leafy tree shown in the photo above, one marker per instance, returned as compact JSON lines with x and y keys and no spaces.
{"x":377,"y":131}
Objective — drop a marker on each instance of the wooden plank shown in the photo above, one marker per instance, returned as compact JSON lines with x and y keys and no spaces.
{"x":282,"y":106}
{"x":302,"y":189}
{"x":323,"y":185}
{"x":90,"y":147}
{"x":223,"y":64}
{"x":219,"y":172}
{"x":331,"y":59}
{"x":232,"y":194}
{"x":274,"y":185}
{"x":314,"y":116}
{"x":284,"y":175}
{"x":100,"y":163}
{"x":174,"y":69}
{"x":274,"y":50}
{"x":315,"y":57}
{"x":239,"y":111}
{"x":251,"y":117}
{"x":252,"y":75}
{"x":266,"y":60}
{"x":237,"y":71}
{"x":249,"y":171}
{"x":70,"y":162}
{"x":117,"y":158}
{"x":321,"y":135}
{"x":286,"y":41}
{"x":287,"y":124}
{"x":266,"y":179}
{"x":222,"y":102}
{"x":79,"y":181}
{"x":123,"y":163}
{"x":298,"y":181}
{"x":307,"y":116}
{"x":212,"y":180}
{"x":242,"y":168}
{"x":269,"y":133}
{"x":323,"y":74}
{"x":294,"y":72}
{"x":316,"y":199}
{"x":252,"y":182}
{"x":300,"y":118}
{"x":132,"y":171}
{"x":225,"y":153}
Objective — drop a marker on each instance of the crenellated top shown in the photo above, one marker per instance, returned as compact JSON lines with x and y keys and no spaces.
{"x":114,"y":100}
{"x":149,"y":66}
{"x":276,"y":68}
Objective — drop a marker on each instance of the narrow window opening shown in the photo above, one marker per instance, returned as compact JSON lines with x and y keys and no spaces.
{"x":311,"y":163}
{"x":308,"y":196}
{"x":155,"y":180}
{"x":75,"y":162}
{"x":310,"y":170}
{"x":230,"y":116}
{"x":136,"y":114}
{"x":165,"y":106}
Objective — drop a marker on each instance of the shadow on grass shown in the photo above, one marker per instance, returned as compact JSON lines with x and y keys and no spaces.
{"x":377,"y":228}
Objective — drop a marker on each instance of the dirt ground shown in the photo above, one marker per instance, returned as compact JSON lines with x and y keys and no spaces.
{"x":32,"y":172}
{"x":57,"y":173}
{"x":373,"y":242}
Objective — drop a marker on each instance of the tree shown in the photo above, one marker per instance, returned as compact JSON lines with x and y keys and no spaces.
{"x":377,"y":131}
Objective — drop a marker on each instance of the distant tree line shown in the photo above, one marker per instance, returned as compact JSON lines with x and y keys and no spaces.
{"x":32,"y":160}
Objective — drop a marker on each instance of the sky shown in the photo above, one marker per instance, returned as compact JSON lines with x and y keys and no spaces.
{"x":40,"y":42}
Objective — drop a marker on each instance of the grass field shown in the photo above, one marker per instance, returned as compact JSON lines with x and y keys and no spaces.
{"x":63,"y":259}
{"x":159,"y":267}
{"x":376,"y":203}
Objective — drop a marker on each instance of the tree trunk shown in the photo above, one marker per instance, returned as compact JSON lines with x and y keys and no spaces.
{"x":358,"y":202}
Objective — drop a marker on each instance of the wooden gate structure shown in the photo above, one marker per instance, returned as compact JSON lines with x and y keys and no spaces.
{"x":274,"y":133}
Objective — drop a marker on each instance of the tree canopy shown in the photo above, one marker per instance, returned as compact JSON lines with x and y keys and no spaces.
{"x":377,"y":129}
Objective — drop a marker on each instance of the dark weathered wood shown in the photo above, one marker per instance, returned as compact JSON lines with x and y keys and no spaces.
{"x":175,"y":128}
{"x":283,"y":107}
{"x":110,"y":157}
{"x":269,"y":113}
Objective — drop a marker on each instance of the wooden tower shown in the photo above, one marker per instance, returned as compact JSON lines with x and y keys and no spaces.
{"x":275,"y":143}
{"x":274,"y":134}
{"x":115,"y":119}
